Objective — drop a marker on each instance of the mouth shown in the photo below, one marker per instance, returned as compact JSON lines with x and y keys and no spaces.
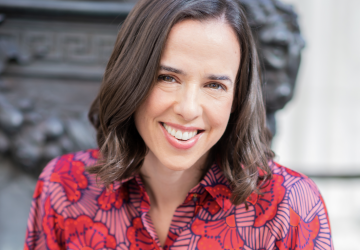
{"x":179,"y":134}
{"x":181,"y":137}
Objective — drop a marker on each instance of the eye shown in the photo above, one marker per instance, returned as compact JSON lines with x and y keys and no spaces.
{"x":166,"y":78}
{"x":216,"y":86}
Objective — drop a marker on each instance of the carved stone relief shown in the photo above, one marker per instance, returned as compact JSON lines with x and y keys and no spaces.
{"x":276,"y":29}
{"x":48,"y":49}
{"x":50,"y":73}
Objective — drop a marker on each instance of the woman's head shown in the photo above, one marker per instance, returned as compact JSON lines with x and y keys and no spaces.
{"x":159,"y":73}
{"x":188,"y":108}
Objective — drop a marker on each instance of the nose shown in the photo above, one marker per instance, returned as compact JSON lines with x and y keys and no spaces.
{"x":187,"y":103}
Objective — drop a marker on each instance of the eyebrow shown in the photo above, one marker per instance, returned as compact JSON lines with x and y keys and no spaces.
{"x":220,"y":78}
{"x":176,"y":71}
{"x":210,"y":77}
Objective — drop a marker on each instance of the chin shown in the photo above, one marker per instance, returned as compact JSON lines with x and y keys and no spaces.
{"x":178,"y":164}
{"x":181,"y":163}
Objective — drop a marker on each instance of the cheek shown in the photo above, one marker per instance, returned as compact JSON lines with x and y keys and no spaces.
{"x":157,"y":102}
{"x":218,"y":115}
{"x":154,"y":106}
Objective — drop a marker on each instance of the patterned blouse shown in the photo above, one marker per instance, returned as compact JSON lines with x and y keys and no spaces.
{"x":70,"y":210}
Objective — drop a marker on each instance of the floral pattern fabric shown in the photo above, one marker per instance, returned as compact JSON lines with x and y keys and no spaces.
{"x":71,"y":210}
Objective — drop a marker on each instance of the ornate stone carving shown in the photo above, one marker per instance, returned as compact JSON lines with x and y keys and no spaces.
{"x":280,"y":43}
{"x":54,"y":49}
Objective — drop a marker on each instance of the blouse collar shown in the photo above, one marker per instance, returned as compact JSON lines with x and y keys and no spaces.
{"x":214,"y":182}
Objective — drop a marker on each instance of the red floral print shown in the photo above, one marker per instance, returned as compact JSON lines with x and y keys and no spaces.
{"x":53,"y":226}
{"x":293,"y":173}
{"x":83,"y":233}
{"x":26,"y":247}
{"x":92,"y":217}
{"x":219,"y":234}
{"x":301,"y":235}
{"x":221,"y":194}
{"x":202,"y":201}
{"x":212,"y":207}
{"x":266,"y":203}
{"x":325,"y":210}
{"x":110,"y":198}
{"x":94,"y":153}
{"x":170,"y":240}
{"x":38,"y":189}
{"x":70,"y":174}
{"x":139,"y":237}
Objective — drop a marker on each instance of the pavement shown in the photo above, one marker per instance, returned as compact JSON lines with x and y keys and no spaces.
{"x":342,"y":197}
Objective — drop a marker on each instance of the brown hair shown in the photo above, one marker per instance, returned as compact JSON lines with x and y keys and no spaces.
{"x":132,"y":71}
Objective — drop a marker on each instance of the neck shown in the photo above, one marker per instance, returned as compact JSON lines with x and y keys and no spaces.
{"x":167,"y":188}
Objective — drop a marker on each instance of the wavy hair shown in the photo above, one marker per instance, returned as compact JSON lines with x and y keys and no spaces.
{"x":243,"y":150}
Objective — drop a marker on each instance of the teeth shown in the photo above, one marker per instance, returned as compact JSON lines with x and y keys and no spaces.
{"x":178,"y":134}
{"x":185,"y":136}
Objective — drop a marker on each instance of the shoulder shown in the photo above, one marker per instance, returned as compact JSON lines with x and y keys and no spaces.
{"x":286,"y":192}
{"x":286,"y":203}
{"x":65,"y":194}
{"x":71,"y":164}
{"x":291,"y":192}
{"x":294,"y":183}
{"x":300,"y":206}
{"x":67,"y":173}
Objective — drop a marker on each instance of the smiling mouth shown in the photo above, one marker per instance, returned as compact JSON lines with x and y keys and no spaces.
{"x":181,"y":135}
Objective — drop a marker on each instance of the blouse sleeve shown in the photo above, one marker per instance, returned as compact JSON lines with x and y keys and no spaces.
{"x":309,"y":221}
{"x":44,"y":226}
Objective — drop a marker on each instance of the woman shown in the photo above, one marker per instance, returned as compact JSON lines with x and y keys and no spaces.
{"x":184,"y":161}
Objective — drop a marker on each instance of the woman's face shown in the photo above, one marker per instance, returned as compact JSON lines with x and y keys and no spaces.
{"x":188,"y":109}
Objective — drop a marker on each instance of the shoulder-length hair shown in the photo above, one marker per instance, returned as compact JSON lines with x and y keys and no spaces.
{"x":243,"y":150}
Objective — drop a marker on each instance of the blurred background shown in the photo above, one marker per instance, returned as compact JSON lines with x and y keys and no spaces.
{"x":318,"y":131}
{"x":53,"y":54}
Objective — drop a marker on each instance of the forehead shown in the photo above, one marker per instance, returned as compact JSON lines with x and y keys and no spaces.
{"x":212,"y":43}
